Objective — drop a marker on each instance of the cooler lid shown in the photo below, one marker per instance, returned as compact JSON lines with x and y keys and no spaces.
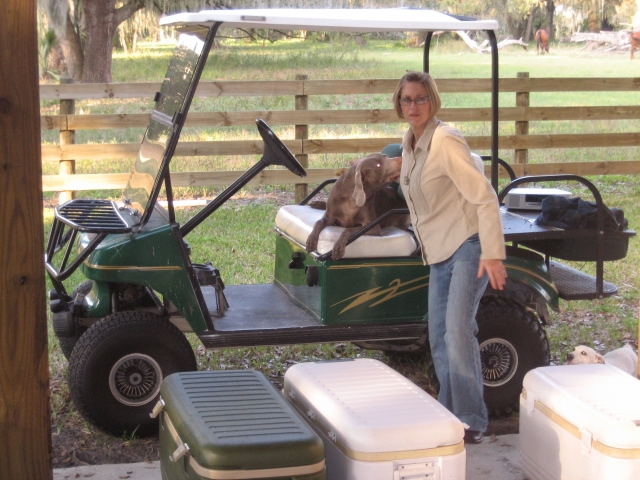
{"x":601,"y":399}
{"x":237,"y":420}
{"x":370,"y":407}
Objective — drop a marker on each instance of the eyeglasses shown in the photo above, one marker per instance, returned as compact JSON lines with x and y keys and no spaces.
{"x":407,"y":101}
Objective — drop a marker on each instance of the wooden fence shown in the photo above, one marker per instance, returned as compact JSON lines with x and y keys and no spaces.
{"x":301,"y":146}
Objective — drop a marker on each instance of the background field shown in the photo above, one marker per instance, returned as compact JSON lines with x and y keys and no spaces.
{"x":239,"y":238}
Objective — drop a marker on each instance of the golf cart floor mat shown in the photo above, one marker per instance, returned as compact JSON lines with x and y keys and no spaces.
{"x":261,"y":315}
{"x":580,"y":422}
{"x":275,"y":307}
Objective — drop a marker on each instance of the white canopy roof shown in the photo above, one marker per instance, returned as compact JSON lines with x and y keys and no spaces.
{"x":331,"y":19}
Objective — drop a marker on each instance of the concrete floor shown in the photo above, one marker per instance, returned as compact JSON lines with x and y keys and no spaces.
{"x":496,"y":458}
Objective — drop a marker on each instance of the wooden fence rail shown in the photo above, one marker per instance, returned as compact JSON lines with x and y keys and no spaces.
{"x":301,"y":146}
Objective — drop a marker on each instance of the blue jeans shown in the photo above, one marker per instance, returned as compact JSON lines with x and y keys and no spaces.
{"x":454,"y":295}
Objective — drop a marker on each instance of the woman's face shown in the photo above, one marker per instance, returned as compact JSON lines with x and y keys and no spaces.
{"x":415,"y":114}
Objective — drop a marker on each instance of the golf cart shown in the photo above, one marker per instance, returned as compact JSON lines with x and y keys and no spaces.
{"x":122,"y":329}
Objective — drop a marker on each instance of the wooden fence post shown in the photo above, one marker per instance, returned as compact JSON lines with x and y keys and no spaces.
{"x":67,"y":137}
{"x":522,"y":128}
{"x":302,"y":133}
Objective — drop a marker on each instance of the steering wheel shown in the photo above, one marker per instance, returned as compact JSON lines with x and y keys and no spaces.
{"x":275,"y":152}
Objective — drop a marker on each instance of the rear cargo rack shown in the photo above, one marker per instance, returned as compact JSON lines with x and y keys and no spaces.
{"x":573,"y":284}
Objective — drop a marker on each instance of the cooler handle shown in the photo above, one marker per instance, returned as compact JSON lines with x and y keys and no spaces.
{"x":157,"y":409}
{"x":180,"y":452}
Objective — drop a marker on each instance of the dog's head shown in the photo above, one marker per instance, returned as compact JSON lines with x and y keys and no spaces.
{"x":371,"y":173}
{"x":584,"y":355}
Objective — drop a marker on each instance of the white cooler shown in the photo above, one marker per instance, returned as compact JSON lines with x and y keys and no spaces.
{"x":580,"y":422}
{"x":375,"y":423}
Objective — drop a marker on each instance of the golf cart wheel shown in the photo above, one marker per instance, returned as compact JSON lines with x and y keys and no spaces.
{"x":67,"y":343}
{"x":118,"y":365}
{"x":512,"y":342}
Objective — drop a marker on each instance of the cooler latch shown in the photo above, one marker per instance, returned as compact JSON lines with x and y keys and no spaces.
{"x":416,"y":471}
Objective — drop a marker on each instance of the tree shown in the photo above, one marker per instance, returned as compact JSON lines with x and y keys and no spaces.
{"x":551,"y":7}
{"x":86,"y":30}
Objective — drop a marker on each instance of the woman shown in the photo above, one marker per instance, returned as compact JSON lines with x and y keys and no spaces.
{"x":456,"y":218}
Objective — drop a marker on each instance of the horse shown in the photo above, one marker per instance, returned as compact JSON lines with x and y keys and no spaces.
{"x":634,"y":39}
{"x":542,"y":41}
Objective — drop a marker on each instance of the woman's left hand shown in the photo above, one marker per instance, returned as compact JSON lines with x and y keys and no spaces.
{"x":496,"y":271}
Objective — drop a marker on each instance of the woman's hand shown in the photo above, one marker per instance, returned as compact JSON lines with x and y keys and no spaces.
{"x":496,"y":271}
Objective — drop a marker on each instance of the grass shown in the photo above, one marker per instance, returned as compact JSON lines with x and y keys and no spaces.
{"x":239,"y":237}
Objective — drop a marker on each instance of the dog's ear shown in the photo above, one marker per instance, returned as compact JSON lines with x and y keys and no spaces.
{"x":358,"y":190}
{"x":599,"y":358}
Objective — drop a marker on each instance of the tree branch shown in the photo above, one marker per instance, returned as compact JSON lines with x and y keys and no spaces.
{"x":127,"y":10}
{"x":483,"y":48}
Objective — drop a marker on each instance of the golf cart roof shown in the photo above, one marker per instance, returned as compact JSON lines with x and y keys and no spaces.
{"x":331,"y":19}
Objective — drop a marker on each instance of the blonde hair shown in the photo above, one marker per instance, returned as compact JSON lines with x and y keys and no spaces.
{"x":428,"y":82}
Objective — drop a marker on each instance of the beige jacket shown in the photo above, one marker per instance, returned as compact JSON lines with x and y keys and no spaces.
{"x":449,"y":199}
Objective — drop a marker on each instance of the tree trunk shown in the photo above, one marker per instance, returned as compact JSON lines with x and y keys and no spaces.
{"x":72,"y":50}
{"x":594,"y":26}
{"x":527,"y":31}
{"x":101,"y":22}
{"x":59,"y":19}
{"x":100,"y":29}
{"x":549,"y":19}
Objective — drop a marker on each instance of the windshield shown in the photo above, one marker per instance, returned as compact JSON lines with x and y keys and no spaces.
{"x":170,"y":101}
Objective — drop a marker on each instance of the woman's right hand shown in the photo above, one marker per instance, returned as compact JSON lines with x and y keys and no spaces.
{"x":494,"y":268}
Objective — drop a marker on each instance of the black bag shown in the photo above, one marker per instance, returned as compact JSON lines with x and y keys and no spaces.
{"x":574,"y":213}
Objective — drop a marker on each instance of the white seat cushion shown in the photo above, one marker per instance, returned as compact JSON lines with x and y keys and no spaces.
{"x":297,"y":221}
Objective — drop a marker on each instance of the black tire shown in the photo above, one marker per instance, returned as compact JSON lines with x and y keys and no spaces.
{"x":512,"y":342}
{"x":118,"y":365}
{"x":67,"y":343}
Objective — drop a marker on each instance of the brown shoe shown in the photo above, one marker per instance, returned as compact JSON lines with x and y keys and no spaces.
{"x":473,"y":436}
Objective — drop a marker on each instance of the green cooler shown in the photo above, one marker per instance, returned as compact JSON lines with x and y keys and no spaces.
{"x":233,"y":424}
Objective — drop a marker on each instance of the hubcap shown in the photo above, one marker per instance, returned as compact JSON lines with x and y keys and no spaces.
{"x":499,"y":361}
{"x":135,"y":379}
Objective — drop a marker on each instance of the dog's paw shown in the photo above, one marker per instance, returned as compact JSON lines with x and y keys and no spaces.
{"x":338,"y":251}
{"x":318,"y":204}
{"x":312,"y":244}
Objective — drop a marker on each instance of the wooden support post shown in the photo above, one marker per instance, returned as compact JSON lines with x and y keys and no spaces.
{"x":25,"y":420}
{"x":67,"y":137}
{"x":522,"y":128}
{"x":302,"y":133}
{"x":638,"y":341}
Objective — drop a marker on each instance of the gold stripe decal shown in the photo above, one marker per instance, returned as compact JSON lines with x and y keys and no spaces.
{"x":142,"y":269}
{"x":531,"y":274}
{"x":369,"y":265}
{"x":396,"y":288}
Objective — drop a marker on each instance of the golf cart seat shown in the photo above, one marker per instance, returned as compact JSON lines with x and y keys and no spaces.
{"x":297,"y":221}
